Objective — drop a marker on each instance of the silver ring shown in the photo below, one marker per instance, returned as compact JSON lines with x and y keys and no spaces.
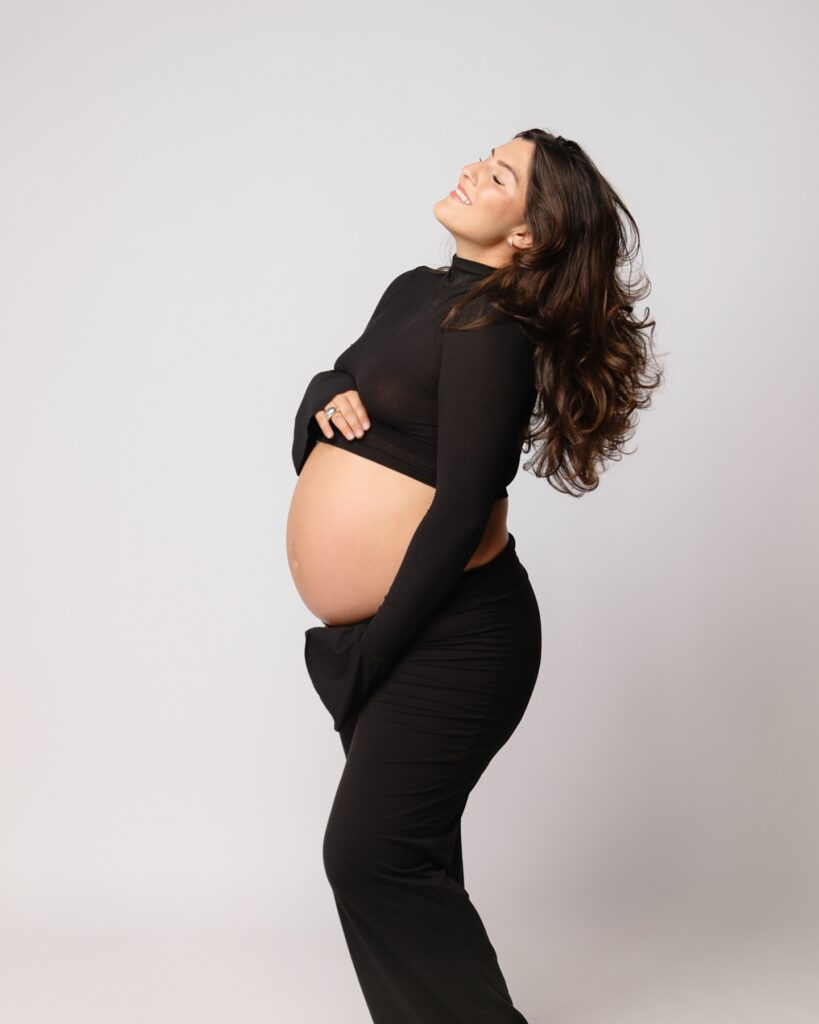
{"x":330,"y":411}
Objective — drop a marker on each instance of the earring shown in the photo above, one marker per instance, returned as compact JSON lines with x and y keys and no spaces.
{"x":509,"y":240}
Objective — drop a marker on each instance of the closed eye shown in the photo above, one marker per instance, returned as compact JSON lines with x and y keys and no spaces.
{"x":494,"y":176}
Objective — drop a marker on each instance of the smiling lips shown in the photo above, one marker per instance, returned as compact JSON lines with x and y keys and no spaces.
{"x":461,"y":196}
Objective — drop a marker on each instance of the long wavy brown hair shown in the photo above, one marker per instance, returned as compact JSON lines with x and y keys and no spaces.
{"x":594,"y":361}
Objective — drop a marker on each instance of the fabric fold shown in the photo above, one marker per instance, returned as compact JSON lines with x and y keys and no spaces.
{"x":343,"y":671}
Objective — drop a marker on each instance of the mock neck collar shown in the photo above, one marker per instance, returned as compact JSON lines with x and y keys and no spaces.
{"x":462,"y":266}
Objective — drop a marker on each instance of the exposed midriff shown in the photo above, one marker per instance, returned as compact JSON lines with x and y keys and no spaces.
{"x":349,"y":525}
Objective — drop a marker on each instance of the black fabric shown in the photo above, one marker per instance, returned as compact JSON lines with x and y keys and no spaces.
{"x":392,"y":844}
{"x":446,"y":407}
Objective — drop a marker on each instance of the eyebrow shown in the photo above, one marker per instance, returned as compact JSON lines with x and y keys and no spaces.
{"x":507,"y":166}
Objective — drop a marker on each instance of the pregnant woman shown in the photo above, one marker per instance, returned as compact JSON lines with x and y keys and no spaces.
{"x":397,"y":541}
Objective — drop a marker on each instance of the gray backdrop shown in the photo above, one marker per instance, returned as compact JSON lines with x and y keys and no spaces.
{"x":200,"y":206}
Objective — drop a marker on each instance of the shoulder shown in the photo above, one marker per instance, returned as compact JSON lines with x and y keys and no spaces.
{"x":405,"y":277}
{"x":410,"y":286}
{"x":502,"y":329}
{"x":414,"y":272}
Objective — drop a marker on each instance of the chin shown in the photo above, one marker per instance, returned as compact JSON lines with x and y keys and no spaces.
{"x":440,"y":212}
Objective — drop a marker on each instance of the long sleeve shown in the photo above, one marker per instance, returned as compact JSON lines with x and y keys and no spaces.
{"x":484,"y":400}
{"x":323,"y":386}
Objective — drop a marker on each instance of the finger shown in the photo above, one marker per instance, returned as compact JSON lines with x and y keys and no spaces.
{"x":359,"y":410}
{"x":346,"y":409}
{"x":338,"y":420}
{"x":324,"y":423}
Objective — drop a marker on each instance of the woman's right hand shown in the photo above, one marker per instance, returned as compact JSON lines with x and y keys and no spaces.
{"x":350,"y":416}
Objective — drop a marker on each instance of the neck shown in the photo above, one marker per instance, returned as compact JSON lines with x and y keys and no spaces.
{"x":477,"y":255}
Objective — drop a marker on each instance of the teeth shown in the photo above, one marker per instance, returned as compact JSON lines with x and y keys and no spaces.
{"x":460,"y":192}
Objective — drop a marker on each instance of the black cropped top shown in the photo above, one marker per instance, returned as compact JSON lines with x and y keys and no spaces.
{"x":449,"y":408}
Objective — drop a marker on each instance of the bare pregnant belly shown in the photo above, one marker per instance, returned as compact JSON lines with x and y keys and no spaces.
{"x":348,"y":528}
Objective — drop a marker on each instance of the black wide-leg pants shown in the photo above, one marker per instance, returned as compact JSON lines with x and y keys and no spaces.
{"x":414,"y":751}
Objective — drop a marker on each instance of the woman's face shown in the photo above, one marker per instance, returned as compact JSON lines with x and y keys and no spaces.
{"x":495,"y":188}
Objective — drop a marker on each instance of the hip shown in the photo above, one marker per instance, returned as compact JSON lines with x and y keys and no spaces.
{"x":475,"y":660}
